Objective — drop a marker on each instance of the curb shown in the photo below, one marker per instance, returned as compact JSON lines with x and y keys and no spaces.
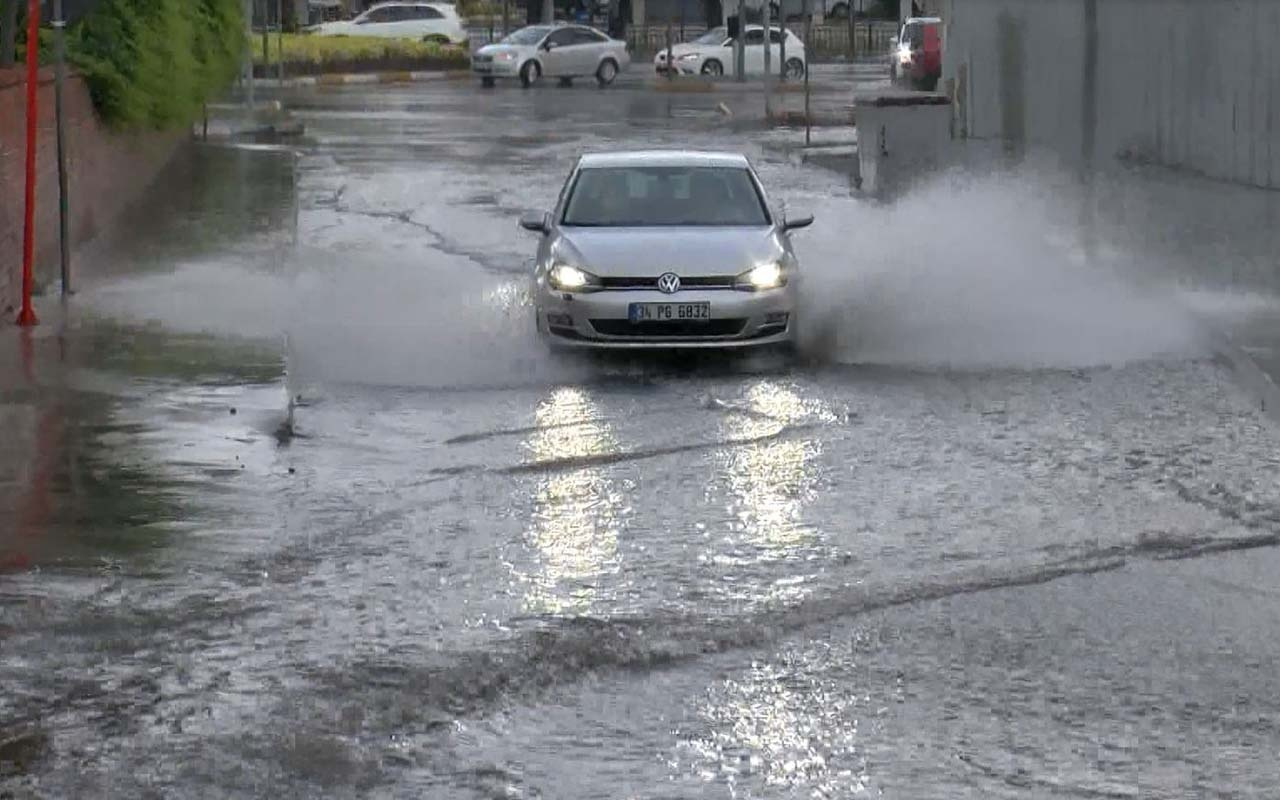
{"x":699,"y":85}
{"x":364,"y":78}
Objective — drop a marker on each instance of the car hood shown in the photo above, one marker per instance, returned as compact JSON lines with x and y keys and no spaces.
{"x":649,"y":252}
{"x":678,"y":50}
{"x":337,"y":26}
{"x":495,"y":49}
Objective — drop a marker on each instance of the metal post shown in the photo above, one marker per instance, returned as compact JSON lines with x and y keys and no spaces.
{"x":808,"y":31}
{"x":280,"y":42}
{"x":782,"y":48}
{"x":739,"y":47}
{"x":27,"y":316}
{"x":248,"y":52}
{"x":64,"y":196}
{"x":852,"y":30}
{"x":548,"y":12}
{"x":671,"y":64}
{"x":768,"y":51}
{"x":506,"y":18}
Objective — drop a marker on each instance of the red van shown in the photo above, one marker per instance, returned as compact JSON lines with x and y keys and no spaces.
{"x":918,"y":57}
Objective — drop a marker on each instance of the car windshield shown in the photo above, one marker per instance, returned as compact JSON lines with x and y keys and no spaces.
{"x":531,"y":35}
{"x":913,"y":34}
{"x":713,"y":36}
{"x":664,"y":196}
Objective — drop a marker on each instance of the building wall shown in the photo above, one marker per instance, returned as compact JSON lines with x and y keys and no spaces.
{"x":1187,"y":84}
{"x":106,"y":171}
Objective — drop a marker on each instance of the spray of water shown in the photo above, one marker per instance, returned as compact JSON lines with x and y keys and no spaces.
{"x":985,"y":272}
{"x":969,"y":273}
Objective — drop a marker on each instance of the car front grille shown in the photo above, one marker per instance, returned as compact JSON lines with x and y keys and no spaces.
{"x":702,"y":282}
{"x":482,"y":59}
{"x":655,"y":330}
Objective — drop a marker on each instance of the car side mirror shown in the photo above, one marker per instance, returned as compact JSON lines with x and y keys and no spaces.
{"x":548,"y":46}
{"x":536,"y":221}
{"x":791,"y":222}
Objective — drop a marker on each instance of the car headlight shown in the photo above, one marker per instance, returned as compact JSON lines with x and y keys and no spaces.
{"x":507,"y":56}
{"x":765,"y":276}
{"x":571,"y":279}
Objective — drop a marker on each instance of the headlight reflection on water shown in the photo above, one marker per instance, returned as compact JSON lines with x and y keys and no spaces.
{"x":574,"y":525}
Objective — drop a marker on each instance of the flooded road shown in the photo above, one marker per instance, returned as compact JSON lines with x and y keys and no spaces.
{"x":1006,"y":528}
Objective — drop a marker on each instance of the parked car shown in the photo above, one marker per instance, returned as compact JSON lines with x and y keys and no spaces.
{"x":917,"y":58}
{"x":429,"y":22}
{"x":563,"y":52}
{"x":665,"y":249}
{"x":712,"y":54}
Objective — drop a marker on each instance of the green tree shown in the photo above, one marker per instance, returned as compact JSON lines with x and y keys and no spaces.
{"x":153,"y":63}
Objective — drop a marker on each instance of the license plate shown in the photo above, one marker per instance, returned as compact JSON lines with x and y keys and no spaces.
{"x":669,"y":312}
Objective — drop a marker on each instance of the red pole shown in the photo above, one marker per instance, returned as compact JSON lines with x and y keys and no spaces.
{"x":27,"y":316}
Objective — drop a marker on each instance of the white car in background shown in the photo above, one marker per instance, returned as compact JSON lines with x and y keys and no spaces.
{"x":426,"y":22}
{"x":563,"y":52}
{"x":712,"y":54}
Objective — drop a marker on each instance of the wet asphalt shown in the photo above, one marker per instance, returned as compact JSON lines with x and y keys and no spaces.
{"x":297,"y":507}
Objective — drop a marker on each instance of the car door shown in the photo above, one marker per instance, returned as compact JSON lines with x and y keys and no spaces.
{"x":589,"y":46}
{"x":775,"y":51}
{"x":557,"y":53}
{"x":753,"y":52}
{"x":377,"y":22}
{"x":427,"y":21}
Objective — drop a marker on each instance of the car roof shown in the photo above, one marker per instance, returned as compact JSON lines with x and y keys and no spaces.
{"x":663,"y":158}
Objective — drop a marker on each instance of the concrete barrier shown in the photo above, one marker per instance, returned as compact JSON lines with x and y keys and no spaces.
{"x":900,"y":135}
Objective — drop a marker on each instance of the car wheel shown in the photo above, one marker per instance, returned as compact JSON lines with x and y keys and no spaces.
{"x":839,"y":11}
{"x":713,"y":69}
{"x":530,"y":73}
{"x":487,"y":83}
{"x":606,"y":72}
{"x":794,"y":70}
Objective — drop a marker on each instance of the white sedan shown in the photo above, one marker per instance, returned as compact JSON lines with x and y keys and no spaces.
{"x":427,"y":22}
{"x":563,"y":52}
{"x":712,"y":54}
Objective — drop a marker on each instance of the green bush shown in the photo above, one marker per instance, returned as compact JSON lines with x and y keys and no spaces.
{"x":153,"y":63}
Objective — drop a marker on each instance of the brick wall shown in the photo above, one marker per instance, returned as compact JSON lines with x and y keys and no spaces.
{"x":107,"y":170}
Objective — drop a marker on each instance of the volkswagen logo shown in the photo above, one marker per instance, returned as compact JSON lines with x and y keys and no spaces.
{"x":669,"y":283}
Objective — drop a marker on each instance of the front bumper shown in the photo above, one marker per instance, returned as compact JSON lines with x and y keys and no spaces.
{"x":495,"y":68}
{"x":688,"y":67}
{"x":600,"y":319}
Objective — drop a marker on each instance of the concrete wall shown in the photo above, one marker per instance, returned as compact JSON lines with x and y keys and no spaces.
{"x":1189,"y":84}
{"x":107,"y":171}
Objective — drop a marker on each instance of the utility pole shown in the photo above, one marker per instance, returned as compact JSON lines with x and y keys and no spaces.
{"x":280,"y":42}
{"x":248,"y":52}
{"x":64,"y":197}
{"x":8,"y":31}
{"x":506,"y":18}
{"x":739,"y":46}
{"x":768,"y":51}
{"x":808,"y":31}
{"x":548,"y":12}
{"x":27,"y":316}
{"x":852,"y":30}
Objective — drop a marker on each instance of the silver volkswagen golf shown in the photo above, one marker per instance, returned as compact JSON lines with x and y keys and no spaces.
{"x":664,"y":250}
